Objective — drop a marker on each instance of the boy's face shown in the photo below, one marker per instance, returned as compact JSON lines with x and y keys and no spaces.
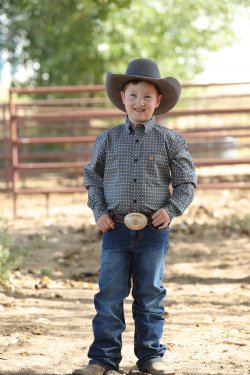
{"x":140,"y":100}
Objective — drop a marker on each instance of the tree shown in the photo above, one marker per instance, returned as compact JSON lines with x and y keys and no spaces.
{"x":77,"y":41}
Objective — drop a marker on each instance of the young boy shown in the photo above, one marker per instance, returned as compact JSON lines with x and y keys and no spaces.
{"x":128,"y":182}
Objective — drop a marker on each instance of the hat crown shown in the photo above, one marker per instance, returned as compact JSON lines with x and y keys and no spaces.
{"x":143,"y":68}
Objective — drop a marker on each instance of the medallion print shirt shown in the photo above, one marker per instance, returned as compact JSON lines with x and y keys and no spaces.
{"x":140,"y":169}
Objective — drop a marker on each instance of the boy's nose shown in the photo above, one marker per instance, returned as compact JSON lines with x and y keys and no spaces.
{"x":140,"y":100}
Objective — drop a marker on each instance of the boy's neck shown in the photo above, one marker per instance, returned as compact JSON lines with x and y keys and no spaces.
{"x":134,"y":125}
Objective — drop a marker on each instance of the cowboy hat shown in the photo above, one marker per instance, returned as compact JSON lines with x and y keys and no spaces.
{"x":146,"y":70}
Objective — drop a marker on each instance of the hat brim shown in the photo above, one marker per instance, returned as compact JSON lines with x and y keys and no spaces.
{"x":169,"y":88}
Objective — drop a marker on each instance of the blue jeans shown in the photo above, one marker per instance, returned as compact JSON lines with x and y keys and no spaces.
{"x":137,"y":259}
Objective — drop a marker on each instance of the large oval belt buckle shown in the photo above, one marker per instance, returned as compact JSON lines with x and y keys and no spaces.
{"x":135,"y":221}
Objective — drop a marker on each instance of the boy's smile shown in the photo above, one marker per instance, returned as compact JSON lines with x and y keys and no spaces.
{"x":140,"y":100}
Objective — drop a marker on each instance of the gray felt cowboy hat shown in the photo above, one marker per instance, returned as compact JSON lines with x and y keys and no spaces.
{"x":147,"y":70}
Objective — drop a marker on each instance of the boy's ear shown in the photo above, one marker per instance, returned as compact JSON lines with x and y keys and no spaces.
{"x":159,"y":97}
{"x":122,"y":93}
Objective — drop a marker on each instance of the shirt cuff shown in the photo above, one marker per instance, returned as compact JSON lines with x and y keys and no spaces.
{"x":170,"y":213}
{"x":181,"y":198}
{"x":97,"y":204}
{"x":98,"y":212}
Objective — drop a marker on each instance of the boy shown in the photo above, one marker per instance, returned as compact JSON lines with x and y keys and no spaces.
{"x":128,"y":182}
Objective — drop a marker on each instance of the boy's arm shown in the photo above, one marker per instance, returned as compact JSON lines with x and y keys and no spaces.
{"x":93,"y":178}
{"x":183,"y":177}
{"x":180,"y":199}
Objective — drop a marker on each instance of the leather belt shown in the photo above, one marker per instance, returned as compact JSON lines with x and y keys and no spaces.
{"x":134,"y":220}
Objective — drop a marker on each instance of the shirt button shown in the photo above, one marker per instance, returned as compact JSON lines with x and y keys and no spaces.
{"x":135,"y":179}
{"x":135,"y":159}
{"x":137,"y":140}
{"x":134,"y":200}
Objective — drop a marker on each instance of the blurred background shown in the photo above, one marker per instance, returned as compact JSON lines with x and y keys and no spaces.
{"x":53,"y":60}
{"x":54,"y":55}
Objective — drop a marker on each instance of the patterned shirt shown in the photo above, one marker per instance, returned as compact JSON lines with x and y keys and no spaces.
{"x":140,"y":169}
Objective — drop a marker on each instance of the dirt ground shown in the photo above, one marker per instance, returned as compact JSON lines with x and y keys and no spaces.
{"x":46,"y":313}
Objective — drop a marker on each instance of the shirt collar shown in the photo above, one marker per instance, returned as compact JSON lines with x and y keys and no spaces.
{"x":148,"y":125}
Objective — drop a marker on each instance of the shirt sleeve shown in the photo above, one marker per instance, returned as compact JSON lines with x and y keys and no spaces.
{"x":93,"y":178}
{"x":183,"y":176}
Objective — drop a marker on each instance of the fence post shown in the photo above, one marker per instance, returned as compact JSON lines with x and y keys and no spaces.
{"x":14,"y":151}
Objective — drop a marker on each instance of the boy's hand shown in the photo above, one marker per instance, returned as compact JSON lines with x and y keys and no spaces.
{"x":160,"y":219}
{"x":104,"y":223}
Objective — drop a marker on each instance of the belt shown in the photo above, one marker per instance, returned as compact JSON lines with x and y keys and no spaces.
{"x":134,"y":220}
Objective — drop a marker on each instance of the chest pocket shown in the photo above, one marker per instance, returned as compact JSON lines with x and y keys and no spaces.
{"x":157,"y":165}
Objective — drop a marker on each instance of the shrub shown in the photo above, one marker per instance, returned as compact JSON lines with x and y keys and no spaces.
{"x":6,"y":263}
{"x":12,"y":256}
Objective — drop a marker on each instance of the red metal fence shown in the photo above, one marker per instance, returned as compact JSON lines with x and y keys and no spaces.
{"x":5,"y":160}
{"x":206,"y":120}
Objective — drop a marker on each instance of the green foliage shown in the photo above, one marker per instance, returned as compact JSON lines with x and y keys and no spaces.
{"x":241,"y":225}
{"x":5,"y":263}
{"x":46,"y":272}
{"x":11,"y":257}
{"x":77,"y":41}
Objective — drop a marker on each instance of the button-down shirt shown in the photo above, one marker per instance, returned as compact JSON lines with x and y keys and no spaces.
{"x":140,"y":169}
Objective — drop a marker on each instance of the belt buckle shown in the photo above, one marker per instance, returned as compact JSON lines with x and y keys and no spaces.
{"x":135,"y":221}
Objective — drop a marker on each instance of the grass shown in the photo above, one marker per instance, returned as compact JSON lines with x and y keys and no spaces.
{"x":241,"y":225}
{"x":11,"y":255}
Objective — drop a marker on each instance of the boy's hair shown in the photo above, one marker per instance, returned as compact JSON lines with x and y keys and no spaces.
{"x":136,"y":81}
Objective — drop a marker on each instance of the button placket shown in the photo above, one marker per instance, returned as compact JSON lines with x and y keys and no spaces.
{"x":136,"y":168}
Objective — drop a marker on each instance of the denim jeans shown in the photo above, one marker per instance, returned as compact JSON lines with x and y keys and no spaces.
{"x":130,"y":259}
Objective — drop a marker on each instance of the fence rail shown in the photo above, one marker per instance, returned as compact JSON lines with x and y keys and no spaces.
{"x":61,"y":122}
